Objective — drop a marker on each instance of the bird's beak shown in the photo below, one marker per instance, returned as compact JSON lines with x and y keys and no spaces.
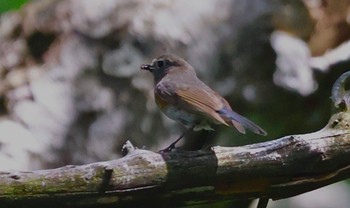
{"x":147,"y":67}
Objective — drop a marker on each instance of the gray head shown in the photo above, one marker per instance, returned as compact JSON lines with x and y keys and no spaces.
{"x":165,"y":64}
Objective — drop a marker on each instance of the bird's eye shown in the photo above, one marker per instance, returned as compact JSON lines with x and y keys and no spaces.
{"x":160,"y":63}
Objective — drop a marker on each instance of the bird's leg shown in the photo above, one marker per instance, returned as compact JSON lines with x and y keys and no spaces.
{"x":172,"y":145}
{"x":263,"y":202}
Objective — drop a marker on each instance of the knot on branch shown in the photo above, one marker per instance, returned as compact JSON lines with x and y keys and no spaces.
{"x":340,"y":92}
{"x":127,"y":148}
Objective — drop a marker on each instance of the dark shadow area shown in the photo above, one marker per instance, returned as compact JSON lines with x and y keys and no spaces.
{"x":38,"y":43}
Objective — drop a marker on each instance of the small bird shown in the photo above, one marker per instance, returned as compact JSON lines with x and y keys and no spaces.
{"x":183,"y":97}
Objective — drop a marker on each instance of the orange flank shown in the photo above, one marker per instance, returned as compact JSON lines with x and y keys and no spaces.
{"x":160,"y":102}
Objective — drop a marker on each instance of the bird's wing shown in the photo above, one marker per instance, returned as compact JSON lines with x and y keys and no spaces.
{"x":203,"y":101}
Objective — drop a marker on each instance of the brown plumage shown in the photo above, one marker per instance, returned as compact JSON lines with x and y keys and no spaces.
{"x":185,"y":98}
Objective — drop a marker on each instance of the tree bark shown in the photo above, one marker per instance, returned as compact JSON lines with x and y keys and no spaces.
{"x":275,"y":169}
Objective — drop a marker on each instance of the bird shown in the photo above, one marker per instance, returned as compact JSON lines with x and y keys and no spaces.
{"x":183,"y":97}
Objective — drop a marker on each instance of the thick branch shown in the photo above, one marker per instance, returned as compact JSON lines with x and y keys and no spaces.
{"x":276,"y":169}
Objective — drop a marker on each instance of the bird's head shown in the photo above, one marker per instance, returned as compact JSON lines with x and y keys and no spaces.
{"x":165,"y":64}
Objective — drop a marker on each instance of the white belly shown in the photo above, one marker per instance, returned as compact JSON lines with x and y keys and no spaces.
{"x":187,"y":119}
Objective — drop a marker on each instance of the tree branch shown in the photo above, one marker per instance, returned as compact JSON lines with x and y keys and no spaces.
{"x":275,"y":169}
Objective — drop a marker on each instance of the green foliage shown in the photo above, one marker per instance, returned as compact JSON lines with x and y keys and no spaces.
{"x":6,"y":5}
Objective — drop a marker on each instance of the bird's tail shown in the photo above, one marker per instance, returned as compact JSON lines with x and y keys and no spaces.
{"x":241,"y":123}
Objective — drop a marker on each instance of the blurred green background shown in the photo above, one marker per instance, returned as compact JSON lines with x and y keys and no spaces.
{"x":7,"y":5}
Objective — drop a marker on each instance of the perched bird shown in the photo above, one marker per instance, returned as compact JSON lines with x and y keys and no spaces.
{"x":184,"y":98}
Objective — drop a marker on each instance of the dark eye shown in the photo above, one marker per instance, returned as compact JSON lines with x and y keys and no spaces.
{"x":160,"y":63}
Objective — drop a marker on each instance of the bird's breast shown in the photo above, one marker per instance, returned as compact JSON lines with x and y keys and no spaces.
{"x":179,"y":115}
